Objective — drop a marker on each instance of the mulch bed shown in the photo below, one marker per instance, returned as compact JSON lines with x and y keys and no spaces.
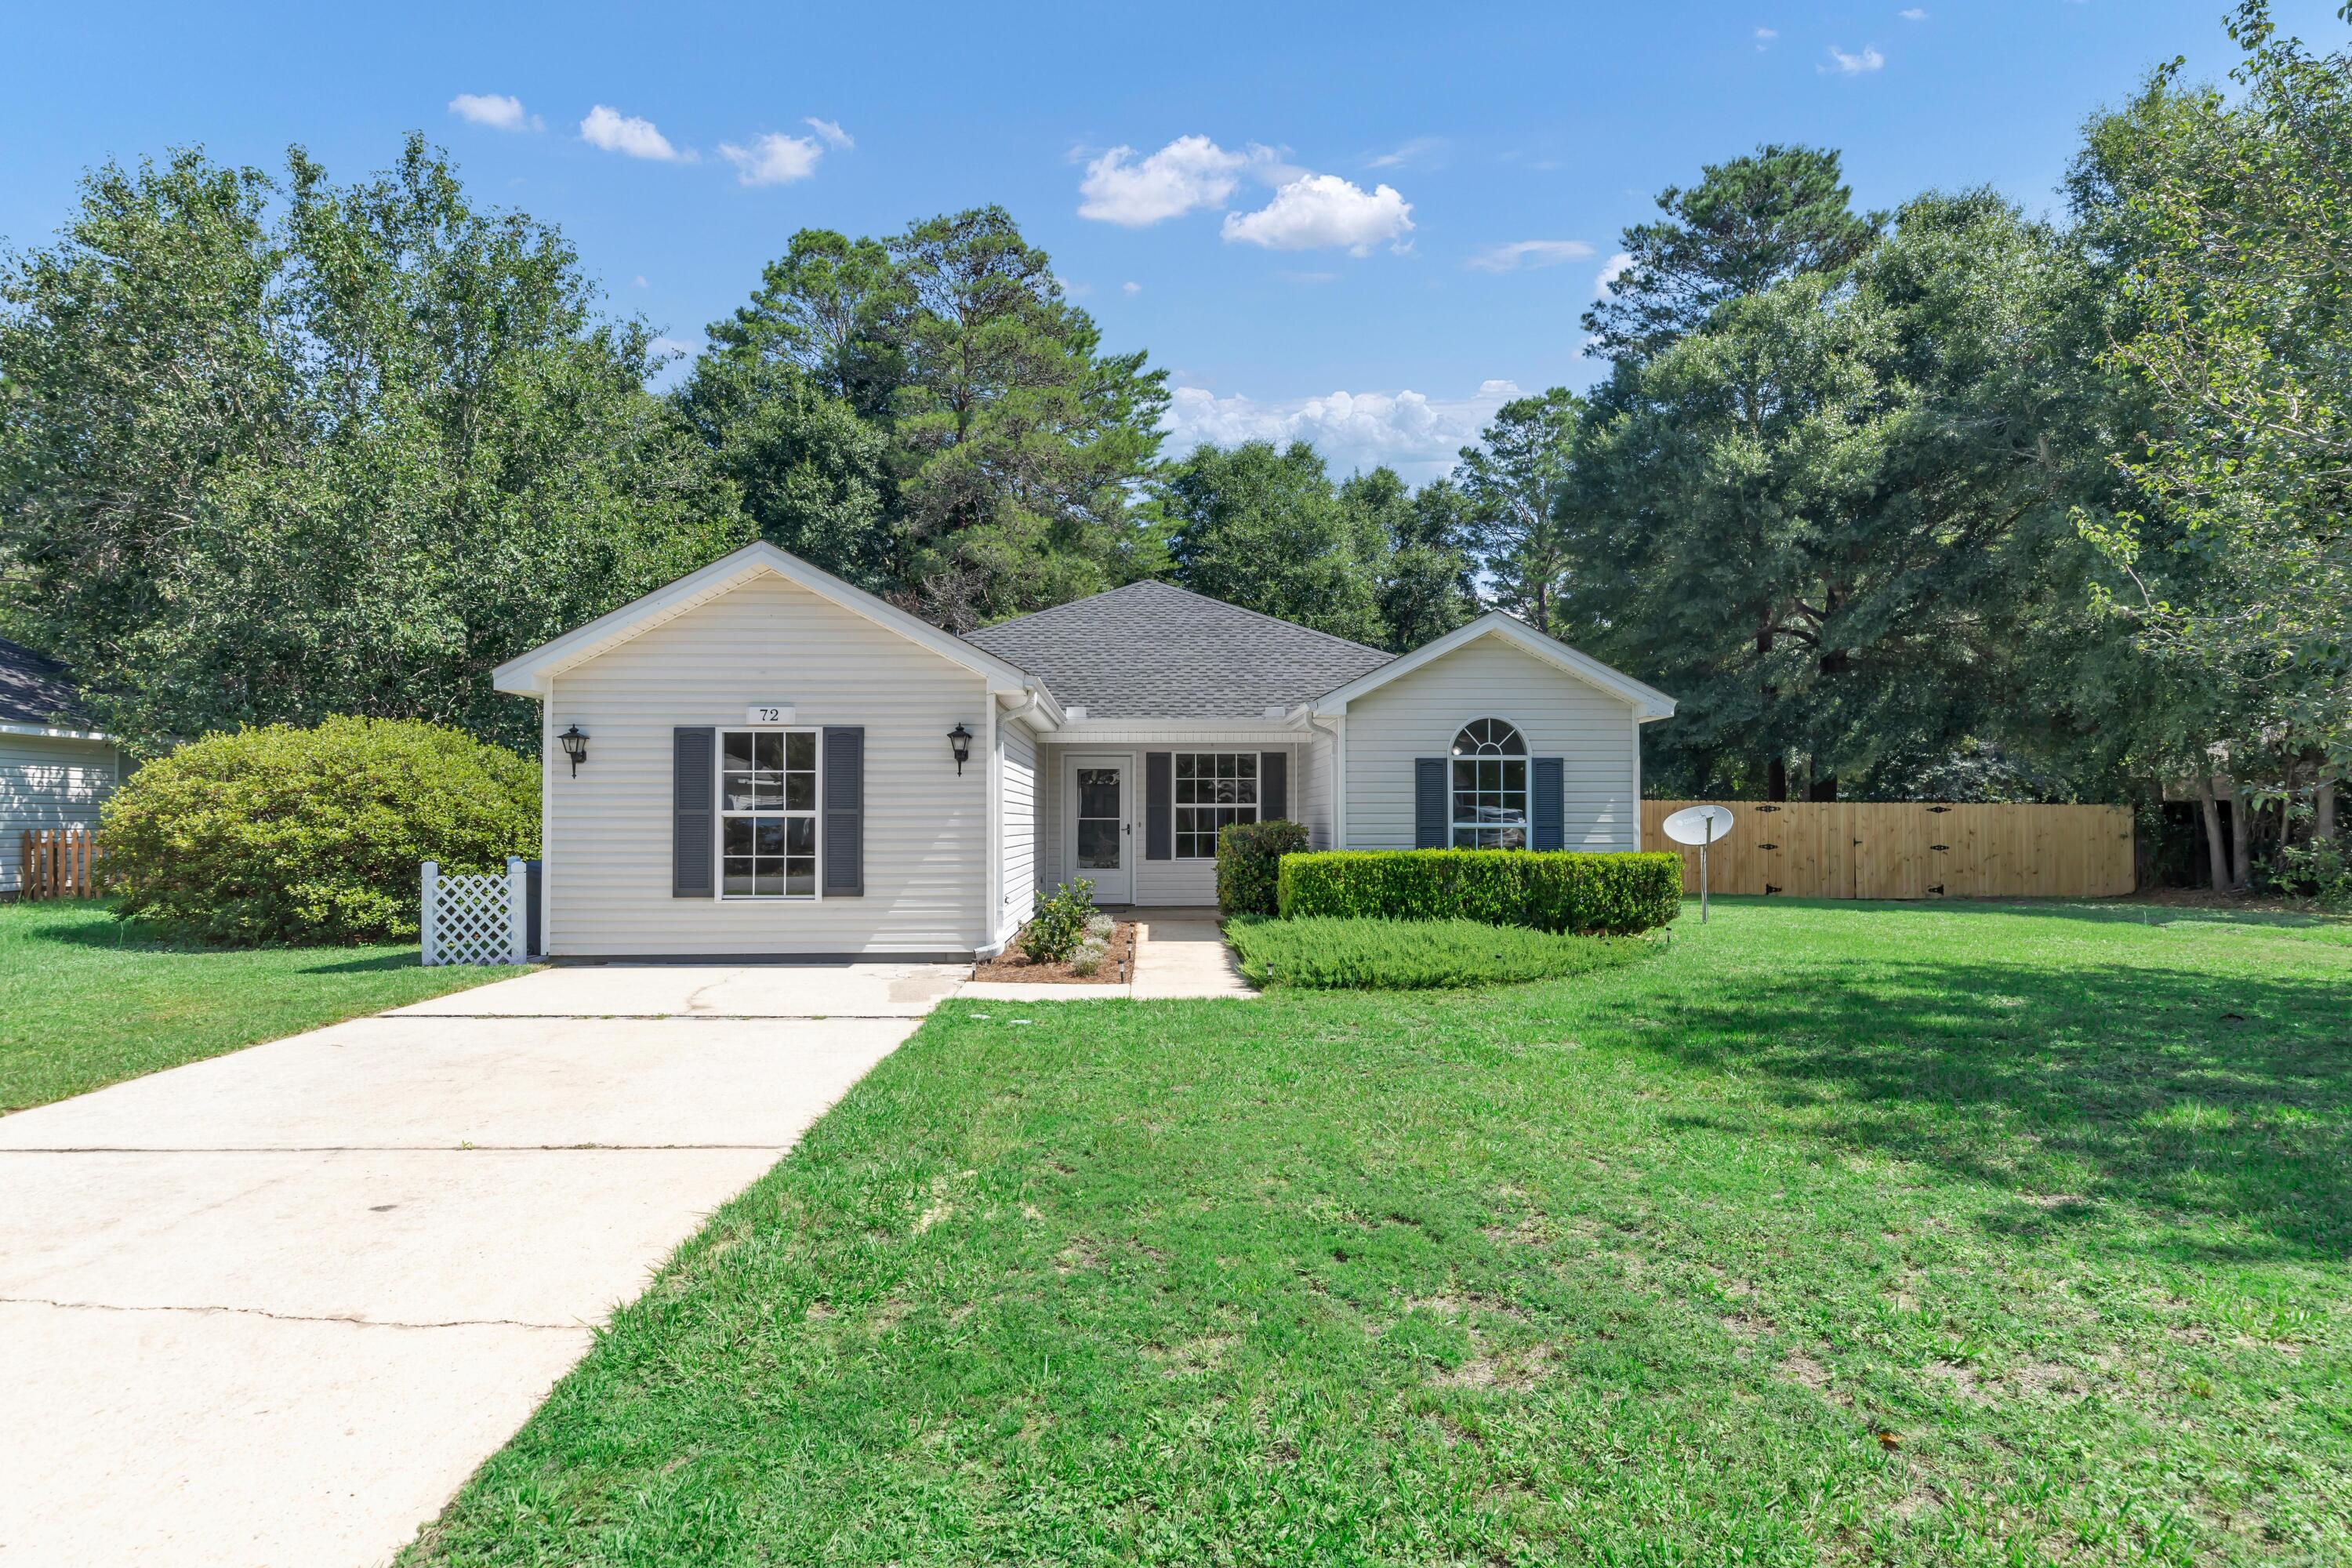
{"x":1117,"y":964}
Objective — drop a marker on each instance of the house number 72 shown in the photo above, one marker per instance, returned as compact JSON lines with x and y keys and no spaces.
{"x":768,"y":713}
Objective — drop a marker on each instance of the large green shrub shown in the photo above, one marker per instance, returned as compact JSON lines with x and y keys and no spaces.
{"x":281,"y":834}
{"x":1550,"y":890}
{"x":1403,"y":955}
{"x":1249,"y":859}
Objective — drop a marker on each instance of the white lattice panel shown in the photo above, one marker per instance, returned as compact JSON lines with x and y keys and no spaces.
{"x":473,"y":919}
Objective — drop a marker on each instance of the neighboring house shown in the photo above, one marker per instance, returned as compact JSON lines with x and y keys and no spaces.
{"x":55,"y":769}
{"x":771,"y":759}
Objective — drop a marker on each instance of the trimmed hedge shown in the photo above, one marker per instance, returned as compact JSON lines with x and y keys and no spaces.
{"x":1249,"y":861}
{"x":273,"y":836}
{"x":1555,"y":891}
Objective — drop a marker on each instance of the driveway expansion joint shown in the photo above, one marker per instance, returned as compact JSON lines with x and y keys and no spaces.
{"x":291,"y":1317}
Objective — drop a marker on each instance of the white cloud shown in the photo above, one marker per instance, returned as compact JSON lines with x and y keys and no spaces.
{"x":1764,"y":36}
{"x":498,"y":110}
{"x":773,"y":160}
{"x":1188,"y":174}
{"x":1610,"y":270}
{"x":1414,"y":433}
{"x":1870,"y":59}
{"x":837,"y":138}
{"x":616,"y":133}
{"x":1529,"y":253}
{"x":1316,"y":211}
{"x":1310,"y":277}
{"x":1130,"y":287}
{"x":1915,"y":14}
{"x":640,"y":281}
{"x":676,"y":348}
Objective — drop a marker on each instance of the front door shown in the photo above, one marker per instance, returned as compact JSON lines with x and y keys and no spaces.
{"x":1100,"y":838}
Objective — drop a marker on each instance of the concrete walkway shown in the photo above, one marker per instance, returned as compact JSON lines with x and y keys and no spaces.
{"x":270,"y":1310}
{"x":1179,"y":955}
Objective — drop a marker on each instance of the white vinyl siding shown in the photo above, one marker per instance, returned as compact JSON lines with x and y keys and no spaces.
{"x":1018,"y":790}
{"x":925,"y":828}
{"x":1418,"y":714}
{"x":49,"y":782}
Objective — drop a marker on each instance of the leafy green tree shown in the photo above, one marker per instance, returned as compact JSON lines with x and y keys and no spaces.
{"x":1511,"y":484}
{"x":1749,"y":223}
{"x":1836,"y":519}
{"x":1429,"y":584}
{"x":2228,"y":225}
{"x":931,"y":418}
{"x":345,"y":456}
{"x":814,"y":477}
{"x":822,"y":309}
{"x":1263,"y":528}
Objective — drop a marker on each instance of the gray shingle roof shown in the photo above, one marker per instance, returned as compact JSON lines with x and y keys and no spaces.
{"x":1153,"y":651}
{"x":34,"y":689}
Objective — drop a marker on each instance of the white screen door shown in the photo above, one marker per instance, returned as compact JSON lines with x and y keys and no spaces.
{"x":1098,"y":821}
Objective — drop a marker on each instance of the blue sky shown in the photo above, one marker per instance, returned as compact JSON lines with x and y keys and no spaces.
{"x":1359,"y":226}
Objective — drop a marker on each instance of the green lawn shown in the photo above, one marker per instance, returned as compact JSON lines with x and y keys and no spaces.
{"x":86,"y":1000}
{"x":1832,"y":1234}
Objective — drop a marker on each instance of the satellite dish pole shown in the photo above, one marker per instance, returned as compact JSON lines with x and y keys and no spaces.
{"x":1702,"y":867}
{"x":1702,"y":825}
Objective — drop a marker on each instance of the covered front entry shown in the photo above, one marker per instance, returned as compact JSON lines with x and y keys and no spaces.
{"x":1099,"y":798}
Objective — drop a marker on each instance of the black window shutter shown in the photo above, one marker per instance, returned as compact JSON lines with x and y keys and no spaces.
{"x":1429,"y":816}
{"x":1547,"y":803}
{"x":694,"y":798}
{"x":845,"y":812}
{"x":1273,"y":785}
{"x":1158,"y":806}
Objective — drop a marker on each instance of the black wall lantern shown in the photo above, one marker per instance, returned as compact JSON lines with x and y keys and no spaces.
{"x":575,"y":746}
{"x":959,"y":742}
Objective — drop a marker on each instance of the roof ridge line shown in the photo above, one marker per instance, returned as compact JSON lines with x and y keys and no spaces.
{"x":1284,"y":622}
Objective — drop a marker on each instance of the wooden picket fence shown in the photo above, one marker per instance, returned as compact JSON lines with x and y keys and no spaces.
{"x":1833,"y":849}
{"x":58,"y":863}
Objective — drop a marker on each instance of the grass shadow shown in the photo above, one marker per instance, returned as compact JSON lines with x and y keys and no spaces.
{"x":2176,"y":1091}
{"x":376,"y":961}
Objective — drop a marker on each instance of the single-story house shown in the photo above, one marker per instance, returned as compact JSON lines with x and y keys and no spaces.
{"x":762,"y":759}
{"x":55,"y":769}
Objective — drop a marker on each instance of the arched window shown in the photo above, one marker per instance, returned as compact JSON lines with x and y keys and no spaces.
{"x":1490,"y":786}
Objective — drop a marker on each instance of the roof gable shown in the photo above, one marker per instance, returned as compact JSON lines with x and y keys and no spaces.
{"x":1648,"y":702}
{"x":1152,"y":650}
{"x":528,"y":674}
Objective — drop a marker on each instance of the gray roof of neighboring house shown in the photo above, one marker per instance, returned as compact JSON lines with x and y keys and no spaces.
{"x":34,"y":689}
{"x":1153,"y":651}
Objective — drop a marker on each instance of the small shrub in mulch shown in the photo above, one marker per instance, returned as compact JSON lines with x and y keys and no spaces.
{"x":1104,"y":955}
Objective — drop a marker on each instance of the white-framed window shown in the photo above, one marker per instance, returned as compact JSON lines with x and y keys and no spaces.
{"x":767,"y":814}
{"x":1212,"y":788}
{"x":1490,"y":786}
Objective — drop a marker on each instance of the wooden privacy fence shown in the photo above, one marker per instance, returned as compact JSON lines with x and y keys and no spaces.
{"x":1833,"y":849}
{"x":56,"y":863}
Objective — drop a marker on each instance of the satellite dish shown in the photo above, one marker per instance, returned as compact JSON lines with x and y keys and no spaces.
{"x":1702,"y":825}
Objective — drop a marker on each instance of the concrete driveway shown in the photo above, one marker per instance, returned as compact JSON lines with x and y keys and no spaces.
{"x":270,"y":1310}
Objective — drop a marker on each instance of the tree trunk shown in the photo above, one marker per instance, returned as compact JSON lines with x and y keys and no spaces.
{"x":1822,"y":789}
{"x":2240,"y":833}
{"x":1775,"y":779}
{"x":2217,"y":858}
{"x":2323,"y":810}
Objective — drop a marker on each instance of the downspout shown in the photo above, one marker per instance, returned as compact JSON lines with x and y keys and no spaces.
{"x":1338,"y":774}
